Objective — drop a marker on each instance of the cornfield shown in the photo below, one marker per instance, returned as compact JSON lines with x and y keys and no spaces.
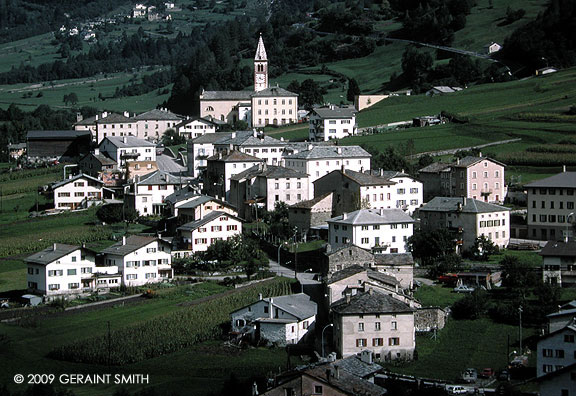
{"x":167,"y":333}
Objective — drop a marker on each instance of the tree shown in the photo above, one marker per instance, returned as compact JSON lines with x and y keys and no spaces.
{"x":353,"y":90}
{"x":430,"y":246}
{"x":71,"y":98}
{"x":115,"y":213}
{"x":311,"y":93}
{"x":416,"y":64}
{"x":518,"y":276}
{"x":482,"y":249}
{"x":172,"y":138}
{"x":472,"y":306}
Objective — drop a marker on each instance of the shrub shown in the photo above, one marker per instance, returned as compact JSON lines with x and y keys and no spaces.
{"x":473,"y":306}
{"x":115,"y":213}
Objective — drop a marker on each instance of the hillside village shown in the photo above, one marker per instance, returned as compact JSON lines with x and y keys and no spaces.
{"x":292,"y":263}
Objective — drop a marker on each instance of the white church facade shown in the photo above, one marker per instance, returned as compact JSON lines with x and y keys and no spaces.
{"x":263,"y":106}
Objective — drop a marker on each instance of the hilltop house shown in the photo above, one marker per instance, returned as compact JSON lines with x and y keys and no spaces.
{"x":280,"y":320}
{"x":332,"y":122}
{"x":80,"y":191}
{"x":148,"y":194}
{"x":198,"y":235}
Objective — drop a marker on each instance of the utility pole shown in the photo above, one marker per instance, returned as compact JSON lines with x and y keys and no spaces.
{"x":520,"y":329}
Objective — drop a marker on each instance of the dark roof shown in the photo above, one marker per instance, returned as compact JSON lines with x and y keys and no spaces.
{"x":101,"y":158}
{"x":373,"y":216}
{"x":211,"y":137}
{"x":51,"y":254}
{"x":112,"y":118}
{"x":435,"y":167}
{"x":394,"y":259}
{"x":55,"y":135}
{"x":128,"y":141}
{"x":452,"y":204}
{"x":133,"y":242}
{"x":157,"y":114}
{"x":87,"y":121}
{"x":160,"y":177}
{"x":565,"y":312}
{"x":193,"y":225}
{"x":382,"y":278}
{"x":226,"y":95}
{"x":203,"y":199}
{"x":269,"y":171}
{"x":571,"y":327}
{"x":564,"y":179}
{"x":16,"y":146}
{"x":560,"y":248}
{"x":274,"y":91}
{"x":234,"y":156}
{"x":250,"y":138}
{"x":309,"y":204}
{"x":79,"y":176}
{"x":335,"y":111}
{"x":318,"y":152}
{"x":346,"y":381}
{"x":355,"y":366}
{"x":372,"y":302}
{"x":346,"y":273}
{"x":298,"y":305}
{"x":470,"y":160}
{"x":366,"y":179}
{"x":181,"y":195}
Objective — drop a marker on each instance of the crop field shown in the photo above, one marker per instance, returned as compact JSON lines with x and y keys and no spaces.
{"x":198,"y":368}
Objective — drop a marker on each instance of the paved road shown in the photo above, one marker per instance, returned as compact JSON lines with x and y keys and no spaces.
{"x":169,"y":164}
{"x":281,"y":270}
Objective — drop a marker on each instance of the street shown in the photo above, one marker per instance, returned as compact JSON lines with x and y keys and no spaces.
{"x":169,"y":164}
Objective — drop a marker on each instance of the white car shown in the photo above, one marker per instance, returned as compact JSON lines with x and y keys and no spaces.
{"x":463,"y":289}
{"x":456,"y":390}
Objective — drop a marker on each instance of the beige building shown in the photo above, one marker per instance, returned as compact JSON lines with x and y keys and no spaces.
{"x":262,"y":106}
{"x":310,"y":213}
{"x":374,"y":321}
{"x":362,"y":102}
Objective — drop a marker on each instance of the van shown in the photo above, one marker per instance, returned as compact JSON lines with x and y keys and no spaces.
{"x":456,"y":390}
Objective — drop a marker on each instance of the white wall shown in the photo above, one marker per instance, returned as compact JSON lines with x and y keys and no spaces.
{"x":222,"y":228}
{"x":70,"y":195}
{"x":367,"y":236}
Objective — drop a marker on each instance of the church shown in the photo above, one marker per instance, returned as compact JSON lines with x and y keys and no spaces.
{"x":263,"y":106}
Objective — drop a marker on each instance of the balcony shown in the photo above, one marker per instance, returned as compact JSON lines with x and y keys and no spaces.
{"x":486,"y":193}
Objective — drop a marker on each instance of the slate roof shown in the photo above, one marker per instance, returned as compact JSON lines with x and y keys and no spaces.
{"x":319,"y":152}
{"x":131,"y":141}
{"x":470,"y":160}
{"x":211,"y":137}
{"x":234,"y":156}
{"x":560,"y":249}
{"x":346,"y":382}
{"x":160,"y":177}
{"x":79,"y":176}
{"x":355,"y":366}
{"x":373,"y":216}
{"x":54,"y":135}
{"x":370,"y":303}
{"x":382,"y":278}
{"x":191,"y":120}
{"x":181,"y":195}
{"x":435,"y":167}
{"x":269,"y":171}
{"x":158,"y":115}
{"x":394,"y":259}
{"x":451,"y":204}
{"x":193,"y":225}
{"x":133,"y":242}
{"x":226,"y":95}
{"x":346,"y":273}
{"x":101,"y":158}
{"x":335,"y":111}
{"x":564,"y":179}
{"x":203,"y":199}
{"x":309,"y":204}
{"x":51,"y":254}
{"x":87,"y":121}
{"x":112,"y":118}
{"x":566,"y":312}
{"x":273,"y":92}
{"x":298,"y":305}
{"x":247,"y":138}
{"x":366,"y":179}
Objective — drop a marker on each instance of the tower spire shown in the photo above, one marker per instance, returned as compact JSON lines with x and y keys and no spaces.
{"x":260,"y":51}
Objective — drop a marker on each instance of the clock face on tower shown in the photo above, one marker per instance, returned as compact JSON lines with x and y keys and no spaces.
{"x":260,"y":78}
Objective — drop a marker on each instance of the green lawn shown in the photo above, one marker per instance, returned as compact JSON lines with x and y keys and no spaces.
{"x":12,"y":275}
{"x":436,"y":296}
{"x":461,"y":344}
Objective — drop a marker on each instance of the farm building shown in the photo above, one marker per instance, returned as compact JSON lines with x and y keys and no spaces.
{"x":60,"y":145}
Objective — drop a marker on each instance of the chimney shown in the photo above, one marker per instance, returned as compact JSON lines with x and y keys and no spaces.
{"x":96,"y":117}
{"x":260,"y":296}
{"x":339,"y":150}
{"x":254,"y":133}
{"x":123,"y":240}
{"x":344,"y":216}
{"x":233,"y":135}
{"x":371,"y":291}
{"x":381,"y":211}
{"x":480,"y":154}
{"x":347,"y":298}
{"x":270,"y":306}
{"x":310,"y":147}
{"x":264,"y":166}
{"x":96,"y":151}
{"x":124,"y":139}
{"x":83,"y":245}
{"x":463,"y":201}
{"x":159,"y":236}
{"x":79,"y":117}
{"x":564,"y":168}
{"x":104,"y":114}
{"x":457,"y":161}
{"x":126,"y":114}
{"x":336,"y":372}
{"x":282,"y":139}
{"x":54,"y":246}
{"x":381,"y":172}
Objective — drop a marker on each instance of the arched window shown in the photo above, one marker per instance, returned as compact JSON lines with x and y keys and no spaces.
{"x":209,"y":108}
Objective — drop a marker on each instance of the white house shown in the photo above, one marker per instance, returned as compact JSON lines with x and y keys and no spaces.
{"x":200,"y":206}
{"x":556,"y":350}
{"x":318,"y":161}
{"x":64,"y":270}
{"x":199,"y":149}
{"x":332,"y":122}
{"x":140,"y":260}
{"x":216,"y":225}
{"x":376,"y":322}
{"x":264,"y":185}
{"x":253,"y":143}
{"x":79,"y":191}
{"x":492,"y":48}
{"x":469,"y":218}
{"x":148,"y":194}
{"x":192,"y":128}
{"x":386,"y":230}
{"x":127,"y":148}
{"x":281,"y":320}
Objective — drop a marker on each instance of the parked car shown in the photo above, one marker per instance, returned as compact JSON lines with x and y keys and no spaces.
{"x":456,"y":390}
{"x":463,"y":289}
{"x":470,"y":375}
{"x":487,"y":373}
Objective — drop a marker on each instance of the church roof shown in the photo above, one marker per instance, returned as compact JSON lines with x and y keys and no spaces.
{"x":260,"y":51}
{"x":226,"y":95}
{"x":273,"y":92}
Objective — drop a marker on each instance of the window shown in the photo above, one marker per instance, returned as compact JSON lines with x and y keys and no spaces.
{"x":393,"y":341}
{"x":360,"y":326}
{"x":361,"y":342}
{"x":377,"y":341}
{"x":377,"y":326}
{"x":54,"y":286}
{"x":394,"y":325}
{"x":71,"y":272}
{"x":318,"y":389}
{"x":569,"y":338}
{"x":131,"y":276}
{"x":73,"y":285}
{"x":151,"y":250}
{"x":559,"y":353}
{"x":547,"y":368}
{"x":85,"y":270}
{"x":55,"y":273}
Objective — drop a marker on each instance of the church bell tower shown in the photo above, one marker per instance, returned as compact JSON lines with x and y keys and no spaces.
{"x":260,"y":67}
